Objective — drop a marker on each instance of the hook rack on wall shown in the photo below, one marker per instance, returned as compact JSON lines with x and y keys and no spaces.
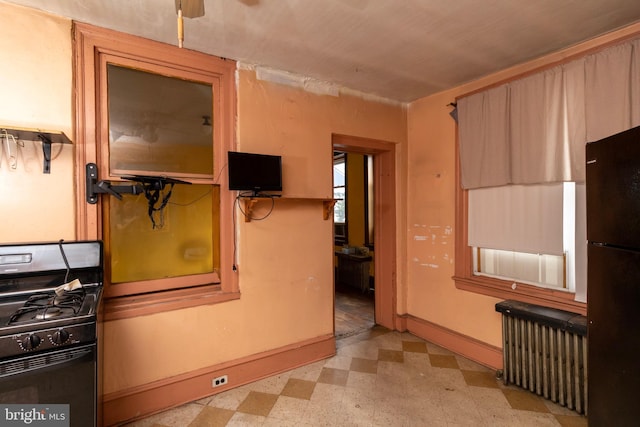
{"x":47,"y":137}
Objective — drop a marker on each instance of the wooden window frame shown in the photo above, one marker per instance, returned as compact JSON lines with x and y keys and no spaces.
{"x":503,"y":289}
{"x":91,"y":45}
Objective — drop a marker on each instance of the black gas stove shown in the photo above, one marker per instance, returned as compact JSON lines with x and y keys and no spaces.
{"x":49,"y":304}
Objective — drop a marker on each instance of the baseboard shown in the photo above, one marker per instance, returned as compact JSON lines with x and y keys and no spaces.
{"x":141,"y":401}
{"x":471,"y":348}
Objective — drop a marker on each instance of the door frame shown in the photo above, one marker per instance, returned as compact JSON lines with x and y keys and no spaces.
{"x":384,"y":229}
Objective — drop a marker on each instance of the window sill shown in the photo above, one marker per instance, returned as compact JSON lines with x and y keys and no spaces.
{"x":159,"y":302}
{"x":525,"y":293}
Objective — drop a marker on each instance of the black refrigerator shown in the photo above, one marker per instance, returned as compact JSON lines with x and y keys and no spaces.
{"x":613,"y":279}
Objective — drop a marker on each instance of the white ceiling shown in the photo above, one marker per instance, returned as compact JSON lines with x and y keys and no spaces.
{"x":397,"y":49}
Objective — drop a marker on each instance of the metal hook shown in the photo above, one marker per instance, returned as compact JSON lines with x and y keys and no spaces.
{"x":12,"y":157}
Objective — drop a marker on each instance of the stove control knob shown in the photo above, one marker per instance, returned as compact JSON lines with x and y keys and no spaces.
{"x":30,"y":342}
{"x":60,"y":337}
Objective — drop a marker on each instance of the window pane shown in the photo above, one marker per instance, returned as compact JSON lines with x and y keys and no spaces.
{"x":534,"y":269}
{"x":339,"y":174}
{"x":159,"y":124}
{"x":185,"y":244}
{"x":339,"y":193}
{"x":339,"y":210}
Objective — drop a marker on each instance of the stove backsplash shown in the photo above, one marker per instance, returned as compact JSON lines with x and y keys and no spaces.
{"x":39,"y":257}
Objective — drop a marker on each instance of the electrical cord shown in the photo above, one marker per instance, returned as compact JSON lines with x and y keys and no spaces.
{"x":234,"y":218}
{"x":265,"y":216}
{"x":64,"y":258}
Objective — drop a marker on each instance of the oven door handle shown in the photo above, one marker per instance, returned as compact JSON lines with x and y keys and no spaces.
{"x":43,"y":361}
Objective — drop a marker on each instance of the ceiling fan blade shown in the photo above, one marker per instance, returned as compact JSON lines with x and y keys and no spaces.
{"x":191,"y":8}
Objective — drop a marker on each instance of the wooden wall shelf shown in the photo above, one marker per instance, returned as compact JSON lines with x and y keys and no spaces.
{"x":250,"y":202}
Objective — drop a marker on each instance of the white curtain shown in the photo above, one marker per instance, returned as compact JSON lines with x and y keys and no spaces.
{"x":486,"y":123}
{"x":537,"y":112}
{"x":533,"y":130}
{"x":609,"y":90}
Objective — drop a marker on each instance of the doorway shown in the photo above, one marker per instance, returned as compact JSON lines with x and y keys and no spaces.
{"x":353,"y":242}
{"x":382,"y":155}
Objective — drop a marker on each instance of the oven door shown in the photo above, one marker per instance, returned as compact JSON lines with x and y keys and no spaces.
{"x":65,"y":376}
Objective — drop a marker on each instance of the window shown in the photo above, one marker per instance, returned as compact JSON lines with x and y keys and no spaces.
{"x":169,"y":231}
{"x":532,"y":130}
{"x":340,"y":194}
{"x":353,"y":187}
{"x":524,"y":233}
{"x":369,"y":202}
{"x":546,"y":278}
{"x":546,"y":248}
{"x":523,"y":242}
{"x":535,"y":269}
{"x":159,"y":124}
{"x":143,"y":112}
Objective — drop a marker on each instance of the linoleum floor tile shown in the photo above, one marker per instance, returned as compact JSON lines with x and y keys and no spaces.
{"x":212,"y":417}
{"x":241,"y":419}
{"x":276,"y":422}
{"x":333,"y":376}
{"x":480,"y":379}
{"x":414,"y":346}
{"x":361,"y":380}
{"x":327,"y":394}
{"x":385,"y":355}
{"x":571,"y":421}
{"x":436,"y":349}
{"x":443,"y":361}
{"x":338,"y":362}
{"x":229,"y":399}
{"x":364,"y":365}
{"x":258,"y":403}
{"x":524,"y":400}
{"x":288,"y":408}
{"x":176,"y":417}
{"x":300,"y":389}
{"x":273,"y":384}
{"x":470,"y":365}
{"x":308,"y":372}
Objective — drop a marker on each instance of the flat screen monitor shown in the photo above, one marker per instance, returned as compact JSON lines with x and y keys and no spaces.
{"x":254,"y":172}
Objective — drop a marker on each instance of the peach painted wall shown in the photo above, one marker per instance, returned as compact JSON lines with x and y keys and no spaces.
{"x":285,"y":262}
{"x":35,"y":83}
{"x":431,"y":293}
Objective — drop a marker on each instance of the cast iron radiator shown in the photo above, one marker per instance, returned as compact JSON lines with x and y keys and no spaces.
{"x":545,"y":351}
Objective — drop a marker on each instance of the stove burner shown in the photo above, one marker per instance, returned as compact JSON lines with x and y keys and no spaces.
{"x":64,"y":299}
{"x":48,"y":313}
{"x":45,"y":306}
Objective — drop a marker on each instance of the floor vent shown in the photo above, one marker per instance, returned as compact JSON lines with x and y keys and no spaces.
{"x":545,"y":352}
